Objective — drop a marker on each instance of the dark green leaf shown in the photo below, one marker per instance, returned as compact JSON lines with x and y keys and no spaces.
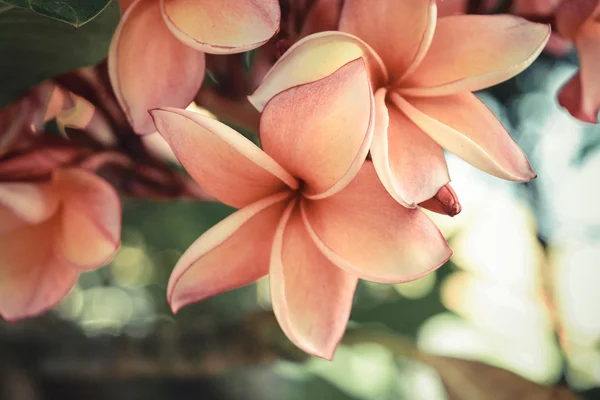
{"x":74,"y":12}
{"x":34,"y":48}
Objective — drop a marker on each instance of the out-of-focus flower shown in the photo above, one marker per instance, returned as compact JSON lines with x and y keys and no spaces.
{"x":313,"y":214}
{"x":156,"y":58}
{"x":423,"y":70}
{"x":55,"y":222}
{"x":22,"y":119}
{"x":579,"y":21}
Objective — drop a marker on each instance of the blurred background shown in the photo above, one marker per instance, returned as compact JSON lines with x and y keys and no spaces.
{"x":513,"y":315}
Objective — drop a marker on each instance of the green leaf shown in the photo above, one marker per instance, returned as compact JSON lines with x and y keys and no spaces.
{"x":74,"y":12}
{"x":34,"y":48}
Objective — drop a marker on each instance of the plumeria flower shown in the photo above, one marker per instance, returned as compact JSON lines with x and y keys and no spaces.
{"x":579,"y":21}
{"x":423,"y":70}
{"x":313,"y":214}
{"x":53,"y":225}
{"x":156,"y":58}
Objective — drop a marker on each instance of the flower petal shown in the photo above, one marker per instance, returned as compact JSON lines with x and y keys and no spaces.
{"x":463,"y":125}
{"x":32,"y":277}
{"x":399,"y":31}
{"x":312,"y":297}
{"x":224,"y":26}
{"x":313,"y":58}
{"x":33,"y":203}
{"x":581,"y":96}
{"x":37,"y":163}
{"x":473,"y":52}
{"x":226,"y":164}
{"x":323,"y":15}
{"x":321,"y":131}
{"x":410,"y":165}
{"x":149,"y":67}
{"x":373,"y":236}
{"x":572,"y":15}
{"x":444,"y":202}
{"x":231,"y":254}
{"x":90,"y":218}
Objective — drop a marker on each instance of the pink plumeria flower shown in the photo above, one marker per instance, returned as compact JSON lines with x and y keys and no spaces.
{"x":579,"y":21}
{"x":51,"y":228}
{"x":313,"y":214}
{"x":156,"y":58}
{"x":423,"y":70}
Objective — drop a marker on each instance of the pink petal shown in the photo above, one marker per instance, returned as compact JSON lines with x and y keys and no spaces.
{"x":31,"y":202}
{"x":36,"y":163}
{"x":463,"y":125}
{"x":149,"y":67}
{"x":226,"y":164}
{"x":313,"y":58}
{"x":410,"y":165}
{"x":399,"y":31}
{"x":323,"y":15}
{"x":534,"y":7}
{"x":33,"y":278}
{"x":473,"y":52}
{"x":231,"y":254}
{"x":312,"y":297}
{"x":224,"y":26}
{"x":581,"y":96}
{"x":572,"y":15}
{"x":363,"y":230}
{"x":90,"y":218}
{"x":450,"y":7}
{"x":321,"y":131}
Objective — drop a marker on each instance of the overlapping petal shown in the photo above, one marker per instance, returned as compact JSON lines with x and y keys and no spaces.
{"x":321,"y":131}
{"x":226,"y":164}
{"x":149,"y":67}
{"x":581,"y":95}
{"x":399,"y":31}
{"x":410,"y":165}
{"x":312,"y":297}
{"x":473,"y":52}
{"x":463,"y":125}
{"x":364,"y":231}
{"x":573,"y":15}
{"x":313,"y":58}
{"x":223,"y":26}
{"x":33,"y":276}
{"x":231,"y":254}
{"x":90,"y":216}
{"x":31,"y":202}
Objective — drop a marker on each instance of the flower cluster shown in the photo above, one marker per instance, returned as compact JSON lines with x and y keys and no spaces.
{"x":358,"y":101}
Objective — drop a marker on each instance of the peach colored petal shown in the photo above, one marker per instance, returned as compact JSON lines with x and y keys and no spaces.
{"x":223,"y":26}
{"x":410,"y":165}
{"x":463,"y":125}
{"x":473,"y":52}
{"x":31,"y":202}
{"x":534,"y":7}
{"x":444,"y":202}
{"x":321,"y":131}
{"x":399,"y":31}
{"x":226,"y":164}
{"x":33,"y":278}
{"x":363,"y":230}
{"x":581,"y":95}
{"x":323,"y":15}
{"x":231,"y":254}
{"x":149,"y":67}
{"x":90,"y":218}
{"x":572,"y":15}
{"x":311,"y":296}
{"x":313,"y":58}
